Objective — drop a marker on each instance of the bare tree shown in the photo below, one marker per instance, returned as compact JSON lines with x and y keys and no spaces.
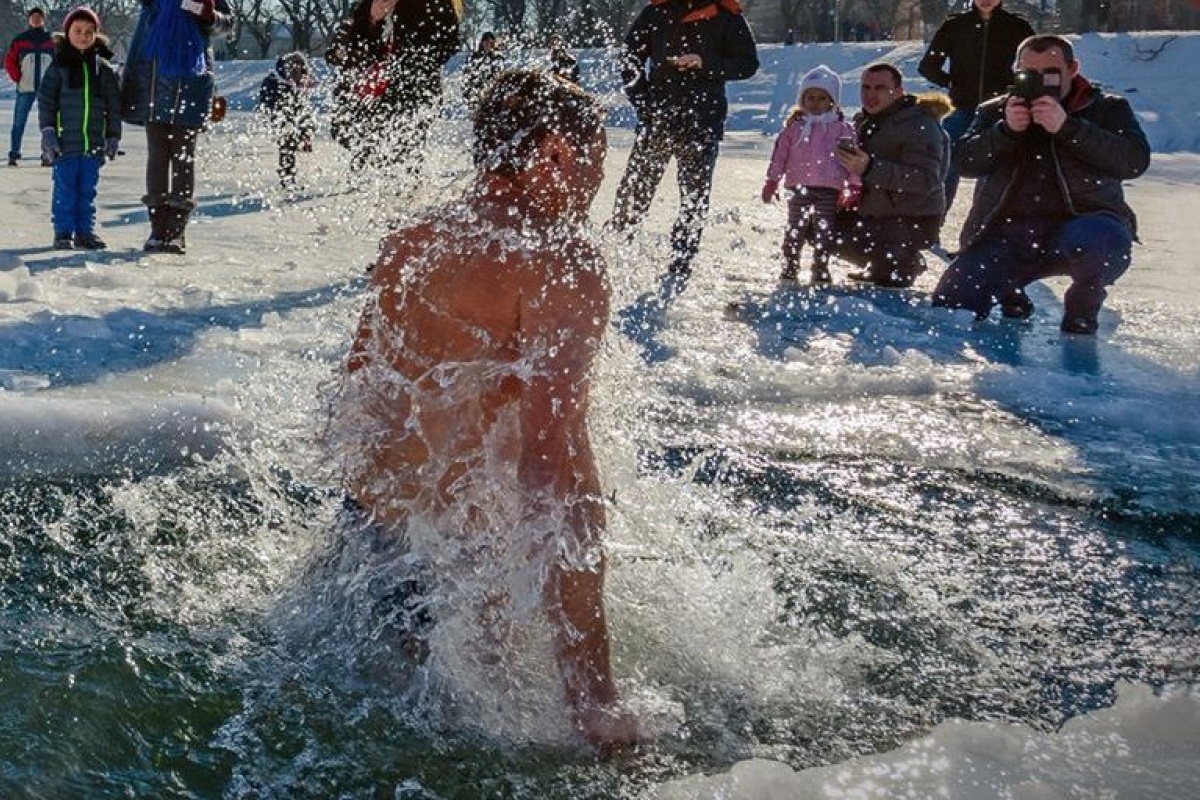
{"x":259,"y":20}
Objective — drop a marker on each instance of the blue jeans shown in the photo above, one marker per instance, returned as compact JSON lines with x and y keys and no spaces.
{"x":955,"y":125}
{"x":25,"y":102}
{"x":1092,"y":249}
{"x":73,"y":203}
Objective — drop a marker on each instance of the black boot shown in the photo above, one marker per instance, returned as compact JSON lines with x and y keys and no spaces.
{"x":178,"y":211}
{"x":156,"y":207}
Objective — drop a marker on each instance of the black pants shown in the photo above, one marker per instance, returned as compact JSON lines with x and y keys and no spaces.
{"x":170,"y":160}
{"x":888,"y":248}
{"x":695,"y":156}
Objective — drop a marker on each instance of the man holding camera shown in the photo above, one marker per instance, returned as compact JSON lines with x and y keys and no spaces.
{"x":1048,"y":159}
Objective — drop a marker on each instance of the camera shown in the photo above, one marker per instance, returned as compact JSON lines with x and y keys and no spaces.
{"x":1029,"y":84}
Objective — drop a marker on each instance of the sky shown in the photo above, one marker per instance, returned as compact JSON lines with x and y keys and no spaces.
{"x":115,"y":361}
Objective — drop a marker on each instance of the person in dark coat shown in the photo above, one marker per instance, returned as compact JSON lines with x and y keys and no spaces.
{"x":482,"y":67}
{"x":980,"y":45}
{"x":167,"y":86}
{"x":678,"y":55}
{"x":79,"y":114}
{"x":389,"y":57}
{"x":562,"y":63}
{"x":901,"y":156}
{"x":283,"y":98}
{"x":26,"y":61}
{"x":1048,"y":193}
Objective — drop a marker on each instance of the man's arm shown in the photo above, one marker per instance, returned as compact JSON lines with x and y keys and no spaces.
{"x":988,"y":144}
{"x":12,"y":61}
{"x":738,"y":54}
{"x":918,"y":170}
{"x":1114,"y":142}
{"x":634,"y":53}
{"x":932,"y":63}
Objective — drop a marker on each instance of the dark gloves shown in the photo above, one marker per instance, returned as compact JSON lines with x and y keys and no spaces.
{"x":306,"y":144}
{"x":112,"y":146}
{"x":51,"y":149}
{"x":203,"y":10}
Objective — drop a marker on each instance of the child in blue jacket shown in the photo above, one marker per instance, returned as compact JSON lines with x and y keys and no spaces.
{"x":79,"y":113}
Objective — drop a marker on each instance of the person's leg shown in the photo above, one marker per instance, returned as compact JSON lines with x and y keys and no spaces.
{"x":62,"y":202}
{"x":955,"y":125}
{"x":889,"y":249}
{"x":85,"y":204}
{"x":822,"y":216}
{"x":158,"y":182}
{"x":696,"y":159}
{"x":793,"y":237}
{"x":25,"y":101}
{"x":180,"y":200}
{"x":647,"y":163}
{"x":1094,"y":250}
{"x":990,"y":269}
{"x":287,"y":161}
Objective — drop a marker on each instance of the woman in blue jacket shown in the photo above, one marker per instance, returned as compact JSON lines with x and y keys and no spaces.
{"x":167,"y":86}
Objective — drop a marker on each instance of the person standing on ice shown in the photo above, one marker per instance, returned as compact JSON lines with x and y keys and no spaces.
{"x":26,"y":61}
{"x":803,"y":159}
{"x":283,"y":99}
{"x":1048,"y":163}
{"x":677,"y":56}
{"x":462,"y":415}
{"x":79,"y":114}
{"x":388,"y":58}
{"x":167,"y":86}
{"x":980,"y":45}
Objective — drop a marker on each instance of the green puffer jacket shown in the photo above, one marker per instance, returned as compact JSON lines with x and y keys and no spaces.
{"x":80,"y":97}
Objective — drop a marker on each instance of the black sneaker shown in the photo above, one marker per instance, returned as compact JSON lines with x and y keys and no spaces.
{"x":46,"y":163}
{"x":1082,"y":326}
{"x":89,"y":241}
{"x":12,"y":161}
{"x":62,"y":241}
{"x":175,"y":247}
{"x":789,"y":273}
{"x":1016,"y":306}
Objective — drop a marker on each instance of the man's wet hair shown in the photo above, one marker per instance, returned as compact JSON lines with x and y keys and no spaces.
{"x":521,"y":108}
{"x":1044,"y":43}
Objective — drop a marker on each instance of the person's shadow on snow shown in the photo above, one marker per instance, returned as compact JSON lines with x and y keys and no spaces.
{"x":644,"y":320}
{"x":73,"y":349}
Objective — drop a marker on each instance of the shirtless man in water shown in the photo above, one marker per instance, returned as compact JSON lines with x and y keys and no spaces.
{"x":468,"y":377}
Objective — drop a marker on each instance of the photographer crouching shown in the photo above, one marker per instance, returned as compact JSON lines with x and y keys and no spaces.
{"x":1048,"y":158}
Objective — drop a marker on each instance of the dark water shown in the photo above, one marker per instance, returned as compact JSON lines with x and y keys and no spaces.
{"x":140,"y":655}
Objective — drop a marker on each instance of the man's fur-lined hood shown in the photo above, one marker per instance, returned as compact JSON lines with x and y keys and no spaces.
{"x":935,"y":104}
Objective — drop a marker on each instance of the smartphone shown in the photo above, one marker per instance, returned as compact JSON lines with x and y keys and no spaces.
{"x":846,"y":144}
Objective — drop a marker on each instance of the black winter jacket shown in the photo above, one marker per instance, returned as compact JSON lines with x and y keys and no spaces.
{"x":1100,"y":145}
{"x":397,"y":62}
{"x":981,"y":54}
{"x":694,"y":100}
{"x":80,"y":97}
{"x":285,"y":103}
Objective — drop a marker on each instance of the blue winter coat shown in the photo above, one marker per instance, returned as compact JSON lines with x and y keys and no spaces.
{"x":147,"y":96}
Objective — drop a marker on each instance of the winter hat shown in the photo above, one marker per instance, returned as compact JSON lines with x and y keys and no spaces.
{"x":821,"y":77}
{"x":35,"y":10}
{"x":82,"y":12}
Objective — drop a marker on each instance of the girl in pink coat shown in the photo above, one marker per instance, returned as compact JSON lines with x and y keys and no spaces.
{"x":816,"y":182}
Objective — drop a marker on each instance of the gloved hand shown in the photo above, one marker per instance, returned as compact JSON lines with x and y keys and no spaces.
{"x":769,"y":191}
{"x":203,"y":10}
{"x":306,"y":144}
{"x":112,"y":146}
{"x":51,"y":148}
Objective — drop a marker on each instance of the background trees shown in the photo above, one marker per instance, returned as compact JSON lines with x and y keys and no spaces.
{"x":266,"y":27}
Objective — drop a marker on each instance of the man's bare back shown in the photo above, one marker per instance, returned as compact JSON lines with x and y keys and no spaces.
{"x":469,"y":371}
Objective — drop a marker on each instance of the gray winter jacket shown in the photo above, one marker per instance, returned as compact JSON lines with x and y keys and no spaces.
{"x":1100,"y":145}
{"x":909,"y":157}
